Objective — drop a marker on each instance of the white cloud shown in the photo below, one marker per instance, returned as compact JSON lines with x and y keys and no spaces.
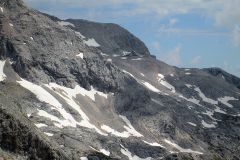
{"x":223,"y":13}
{"x":196,"y":60}
{"x":173,"y":21}
{"x":156,"y":46}
{"x":236,"y":35}
{"x":192,"y":32}
{"x":173,"y":57}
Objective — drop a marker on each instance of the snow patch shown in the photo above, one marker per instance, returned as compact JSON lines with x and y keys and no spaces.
{"x":180,"y":148}
{"x":63,"y":23}
{"x":130,"y":131}
{"x":163,"y":82}
{"x":172,"y":75}
{"x":31,"y":38}
{"x":224,"y":100}
{"x":39,"y":125}
{"x":105,"y":152}
{"x":210,"y":114}
{"x":103,"y":54}
{"x":151,"y":87}
{"x":40,"y":93}
{"x":108,"y":129}
{"x":192,"y":100}
{"x":219,"y":110}
{"x":193,"y":124}
{"x":2,"y":75}
{"x":130,"y":128}
{"x":10,"y":24}
{"x":187,"y":73}
{"x":72,"y":93}
{"x":123,"y":57}
{"x":109,"y":60}
{"x":137,"y":59}
{"x":154,"y":144}
{"x":91,"y":43}
{"x":129,"y":74}
{"x":207,"y":125}
{"x":115,"y":55}
{"x":80,"y":35}
{"x":142,"y":74}
{"x":189,"y":86}
{"x":80,"y":55}
{"x":204,"y":98}
{"x":68,"y":95}
{"x":48,"y":134}
{"x":83,"y":158}
{"x":157,"y":102}
{"x":1,"y":9}
{"x":57,"y":122}
{"x":130,"y":156}
{"x":124,"y":53}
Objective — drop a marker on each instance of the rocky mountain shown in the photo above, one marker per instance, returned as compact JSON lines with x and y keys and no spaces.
{"x":75,"y":89}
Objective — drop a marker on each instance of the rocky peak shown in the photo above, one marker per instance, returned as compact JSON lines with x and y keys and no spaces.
{"x":218,"y":72}
{"x":113,"y":38}
{"x":12,"y":4}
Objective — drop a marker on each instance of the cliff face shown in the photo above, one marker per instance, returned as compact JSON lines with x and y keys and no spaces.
{"x":76,"y":89}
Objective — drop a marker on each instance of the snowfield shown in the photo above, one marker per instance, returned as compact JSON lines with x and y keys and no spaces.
{"x":163,"y":82}
{"x":63,"y":23}
{"x":180,"y":148}
{"x":224,"y":100}
{"x":91,"y":43}
{"x":2,"y":75}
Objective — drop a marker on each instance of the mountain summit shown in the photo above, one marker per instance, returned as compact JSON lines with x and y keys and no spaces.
{"x":75,"y":89}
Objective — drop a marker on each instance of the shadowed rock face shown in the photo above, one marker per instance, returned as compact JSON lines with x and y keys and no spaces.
{"x":218,"y":72}
{"x":78,"y":89}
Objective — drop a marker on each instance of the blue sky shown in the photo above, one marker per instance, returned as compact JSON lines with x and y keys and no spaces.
{"x":184,"y":33}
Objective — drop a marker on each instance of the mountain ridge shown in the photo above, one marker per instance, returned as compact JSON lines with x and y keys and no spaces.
{"x":67,"y":92}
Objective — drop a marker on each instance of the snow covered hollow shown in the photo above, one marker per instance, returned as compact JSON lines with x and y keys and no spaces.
{"x":224,"y":100}
{"x":2,"y":75}
{"x":91,"y":43}
{"x":163,"y":82}
{"x":180,"y":148}
{"x":130,"y":131}
{"x":63,"y":23}
{"x":68,"y":95}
